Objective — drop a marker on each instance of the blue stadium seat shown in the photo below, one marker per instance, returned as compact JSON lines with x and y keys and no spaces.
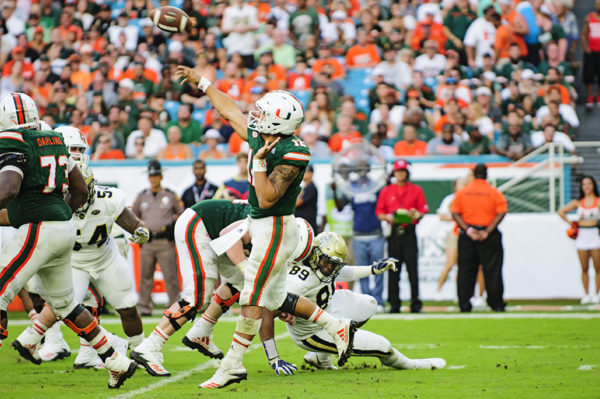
{"x":303,"y":96}
{"x":172,"y":107}
{"x":220,"y":74}
{"x":199,"y":115}
{"x":176,"y":3}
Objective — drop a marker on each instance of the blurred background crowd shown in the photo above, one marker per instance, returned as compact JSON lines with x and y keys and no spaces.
{"x":412,"y":77}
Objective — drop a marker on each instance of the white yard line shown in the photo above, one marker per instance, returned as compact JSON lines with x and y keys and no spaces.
{"x":184,"y":374}
{"x":457,"y":367}
{"x":513,"y":347}
{"x":500,"y":316}
{"x":586,"y":367}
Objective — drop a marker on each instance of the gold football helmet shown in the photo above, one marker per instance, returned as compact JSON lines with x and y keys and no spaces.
{"x":90,"y":182}
{"x":328,"y":256}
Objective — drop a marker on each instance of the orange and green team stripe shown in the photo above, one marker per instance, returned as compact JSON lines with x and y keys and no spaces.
{"x":268,"y":261}
{"x":190,"y":241}
{"x":18,"y":262}
{"x":96,"y":294}
{"x":19,"y":107}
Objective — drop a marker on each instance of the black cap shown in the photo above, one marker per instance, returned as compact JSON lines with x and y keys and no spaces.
{"x":310,"y":168}
{"x":154,"y":168}
{"x":44,"y":57}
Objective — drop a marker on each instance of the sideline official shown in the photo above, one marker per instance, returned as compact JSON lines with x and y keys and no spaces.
{"x":158,"y":208}
{"x":402,"y":244}
{"x":478,"y":209}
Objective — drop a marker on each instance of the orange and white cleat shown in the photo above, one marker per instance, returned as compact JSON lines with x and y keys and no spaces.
{"x":228,"y":373}
{"x":146,"y":355}
{"x":120,"y":368}
{"x":344,"y":339}
{"x":204,"y":345}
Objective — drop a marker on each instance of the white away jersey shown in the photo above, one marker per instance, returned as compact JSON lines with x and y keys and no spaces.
{"x":301,"y":280}
{"x":94,"y":245}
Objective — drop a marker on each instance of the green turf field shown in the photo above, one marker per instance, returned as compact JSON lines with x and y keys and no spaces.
{"x":513,"y":355}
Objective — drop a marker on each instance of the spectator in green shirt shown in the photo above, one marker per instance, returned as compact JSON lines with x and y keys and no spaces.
{"x":458,"y":19}
{"x":303,"y":22}
{"x":191,"y":131}
{"x":552,"y":60}
{"x":142,"y":86}
{"x":414,"y":117}
{"x":552,"y":32}
{"x":283,"y":53}
{"x":477,"y":144}
{"x":515,"y":62}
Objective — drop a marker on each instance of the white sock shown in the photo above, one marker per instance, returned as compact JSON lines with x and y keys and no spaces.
{"x":239,"y":346}
{"x":204,"y":326}
{"x":38,"y":328}
{"x":100,"y":342}
{"x":325,"y":320}
{"x":158,"y":338}
{"x":135,"y":340}
{"x":32,"y":314}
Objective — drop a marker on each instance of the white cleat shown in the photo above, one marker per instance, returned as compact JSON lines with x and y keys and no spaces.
{"x":433,"y":363}
{"x":145,"y":354}
{"x":28,"y":345}
{"x":88,"y":358}
{"x":120,"y":368}
{"x":478,"y":302}
{"x":226,"y":374}
{"x":204,"y":345}
{"x":595,"y":299}
{"x":54,"y":347}
{"x":322,"y":361}
{"x":344,"y":340}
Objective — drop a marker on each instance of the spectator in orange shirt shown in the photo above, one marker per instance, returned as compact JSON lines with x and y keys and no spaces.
{"x":301,"y":78}
{"x":66,"y":24}
{"x":428,"y":30}
{"x":231,"y":84}
{"x":18,"y":54}
{"x":326,"y":58}
{"x":410,"y":146}
{"x":277,"y":72}
{"x":514,"y":28}
{"x":79,"y":78}
{"x":175,"y":149}
{"x":346,"y":134}
{"x":104,"y":149}
{"x":478,"y":209}
{"x":363,"y":54}
{"x":211,"y":138}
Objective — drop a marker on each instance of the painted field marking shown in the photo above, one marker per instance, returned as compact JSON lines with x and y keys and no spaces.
{"x":457,"y":367}
{"x":513,"y":347}
{"x":184,"y":374}
{"x":417,"y":346}
{"x":586,"y":367}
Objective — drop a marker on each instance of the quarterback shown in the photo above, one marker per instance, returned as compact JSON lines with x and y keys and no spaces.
{"x":276,"y":164}
{"x":35,"y":174}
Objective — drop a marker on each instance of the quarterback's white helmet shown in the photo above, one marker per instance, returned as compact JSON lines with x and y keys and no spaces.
{"x":306,"y":237}
{"x":18,"y":111}
{"x":278,"y":112}
{"x":75,"y":141}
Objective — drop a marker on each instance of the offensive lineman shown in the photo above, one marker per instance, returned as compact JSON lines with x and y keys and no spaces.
{"x":97,"y":259}
{"x":35,"y":172}
{"x":276,"y":163}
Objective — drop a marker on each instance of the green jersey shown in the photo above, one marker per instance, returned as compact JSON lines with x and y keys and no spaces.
{"x":45,"y":175}
{"x":218,"y":214}
{"x":289,"y":151}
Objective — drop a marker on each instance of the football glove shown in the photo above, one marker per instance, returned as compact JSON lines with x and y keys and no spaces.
{"x":383,"y":265}
{"x":282,"y":367}
{"x":141,"y":235}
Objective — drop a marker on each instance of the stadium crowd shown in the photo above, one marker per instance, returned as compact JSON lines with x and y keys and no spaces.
{"x":413,"y":77}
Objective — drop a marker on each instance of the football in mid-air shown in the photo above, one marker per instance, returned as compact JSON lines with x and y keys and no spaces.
{"x":170,"y":19}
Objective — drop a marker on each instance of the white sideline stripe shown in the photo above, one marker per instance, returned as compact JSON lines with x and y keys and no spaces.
{"x":115,"y":320}
{"x":513,"y":347}
{"x":457,"y":367}
{"x":201,"y":367}
{"x":499,"y":316}
{"x":586,"y":367}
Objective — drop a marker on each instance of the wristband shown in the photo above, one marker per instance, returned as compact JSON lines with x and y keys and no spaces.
{"x":271,"y":350}
{"x":259,"y":165}
{"x":469,"y":228}
{"x":204,"y":83}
